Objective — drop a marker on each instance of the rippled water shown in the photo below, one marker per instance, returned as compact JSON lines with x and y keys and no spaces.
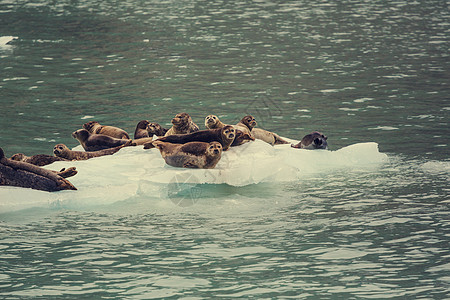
{"x":359,"y":71}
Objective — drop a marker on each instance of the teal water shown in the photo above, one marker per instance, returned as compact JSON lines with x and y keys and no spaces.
{"x":358,"y":71}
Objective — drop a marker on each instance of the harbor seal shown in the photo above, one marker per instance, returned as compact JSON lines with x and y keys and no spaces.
{"x":156,"y":129}
{"x":142,"y":130}
{"x":37,"y":160}
{"x":62,"y":151}
{"x":213,"y":122}
{"x":225,"y":136}
{"x":190,"y":155}
{"x":182,"y":124}
{"x":94,"y":142}
{"x":268,"y":137}
{"x":95,"y":128}
{"x":314,"y":140}
{"x":246,"y":124}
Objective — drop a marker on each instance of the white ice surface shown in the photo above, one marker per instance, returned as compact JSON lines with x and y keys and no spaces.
{"x":134,"y":171}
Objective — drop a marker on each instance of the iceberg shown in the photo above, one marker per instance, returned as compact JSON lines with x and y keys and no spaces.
{"x":135,"y":172}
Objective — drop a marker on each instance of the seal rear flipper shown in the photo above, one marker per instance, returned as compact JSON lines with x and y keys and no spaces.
{"x":149,"y":145}
{"x":279,"y":140}
{"x":66,"y":173}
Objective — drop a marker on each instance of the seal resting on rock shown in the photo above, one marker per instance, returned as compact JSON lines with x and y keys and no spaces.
{"x":95,"y":128}
{"x":22,"y":174}
{"x":225,"y":136}
{"x":190,"y":155}
{"x":314,"y":140}
{"x":156,"y":129}
{"x":94,"y":142}
{"x":62,"y":151}
{"x":182,"y":124}
{"x":37,"y":160}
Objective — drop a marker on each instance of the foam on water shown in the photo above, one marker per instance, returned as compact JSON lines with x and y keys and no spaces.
{"x":136,"y":172}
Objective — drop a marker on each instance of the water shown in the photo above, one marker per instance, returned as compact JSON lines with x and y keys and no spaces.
{"x":358,"y":71}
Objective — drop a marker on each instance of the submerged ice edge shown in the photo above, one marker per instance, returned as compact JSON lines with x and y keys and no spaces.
{"x":134,"y":172}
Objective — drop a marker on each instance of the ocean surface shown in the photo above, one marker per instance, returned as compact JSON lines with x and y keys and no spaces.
{"x":367,"y":219}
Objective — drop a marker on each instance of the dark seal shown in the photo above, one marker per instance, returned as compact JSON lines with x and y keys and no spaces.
{"x":314,"y":140}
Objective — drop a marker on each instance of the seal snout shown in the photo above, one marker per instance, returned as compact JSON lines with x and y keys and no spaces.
{"x":216,"y":151}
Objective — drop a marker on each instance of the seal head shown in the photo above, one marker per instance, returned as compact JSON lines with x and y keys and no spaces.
{"x":314,"y":140}
{"x":213,"y":122}
{"x":182,"y":124}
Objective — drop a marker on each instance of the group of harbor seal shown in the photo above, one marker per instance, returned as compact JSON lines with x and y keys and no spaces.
{"x":183,"y":145}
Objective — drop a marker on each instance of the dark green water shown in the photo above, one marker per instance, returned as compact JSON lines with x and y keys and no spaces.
{"x":358,"y":71}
